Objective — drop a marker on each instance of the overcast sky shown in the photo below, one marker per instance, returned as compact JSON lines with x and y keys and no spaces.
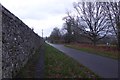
{"x":40,"y":14}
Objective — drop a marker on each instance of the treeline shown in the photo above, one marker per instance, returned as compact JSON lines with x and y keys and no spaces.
{"x":91,"y":22}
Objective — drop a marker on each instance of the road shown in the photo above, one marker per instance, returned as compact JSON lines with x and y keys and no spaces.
{"x":102,"y":66}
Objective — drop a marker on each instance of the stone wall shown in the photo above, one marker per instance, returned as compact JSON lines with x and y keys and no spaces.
{"x":0,"y":42}
{"x":19,"y":43}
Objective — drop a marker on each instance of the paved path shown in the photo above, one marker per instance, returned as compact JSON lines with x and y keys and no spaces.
{"x":104,"y":67}
{"x":39,"y":73}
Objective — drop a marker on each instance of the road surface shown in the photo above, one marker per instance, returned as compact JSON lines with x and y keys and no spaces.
{"x":102,"y":66}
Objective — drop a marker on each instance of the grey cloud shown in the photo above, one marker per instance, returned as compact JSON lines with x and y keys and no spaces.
{"x":42,"y":11}
{"x":38,"y":10}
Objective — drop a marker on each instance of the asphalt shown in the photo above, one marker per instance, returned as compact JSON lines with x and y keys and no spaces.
{"x":102,"y":66}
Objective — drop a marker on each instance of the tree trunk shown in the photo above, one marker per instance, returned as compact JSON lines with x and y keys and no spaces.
{"x":118,"y":35}
{"x":94,"y":41}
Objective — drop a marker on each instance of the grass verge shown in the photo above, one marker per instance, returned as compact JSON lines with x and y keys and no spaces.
{"x":58,"y":65}
{"x":95,"y":51}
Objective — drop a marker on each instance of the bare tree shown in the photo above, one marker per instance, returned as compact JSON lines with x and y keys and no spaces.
{"x":113,"y":12}
{"x":68,"y":25}
{"x":55,"y":35}
{"x":95,"y":23}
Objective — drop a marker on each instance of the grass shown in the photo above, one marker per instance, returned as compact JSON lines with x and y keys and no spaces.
{"x":58,"y":65}
{"x":98,"y":51}
{"x":28,"y":71}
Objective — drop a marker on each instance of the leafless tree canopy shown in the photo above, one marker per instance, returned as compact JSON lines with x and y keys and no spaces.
{"x":113,"y":12}
{"x":93,"y":20}
{"x":96,"y":22}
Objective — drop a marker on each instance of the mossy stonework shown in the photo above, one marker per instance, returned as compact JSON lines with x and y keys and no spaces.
{"x":19,"y":43}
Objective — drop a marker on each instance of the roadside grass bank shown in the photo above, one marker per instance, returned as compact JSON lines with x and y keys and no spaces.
{"x":98,"y":50}
{"x":59,"y":65}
